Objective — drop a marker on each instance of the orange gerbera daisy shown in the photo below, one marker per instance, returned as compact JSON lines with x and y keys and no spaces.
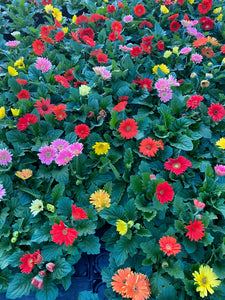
{"x":120,"y":279}
{"x":137,"y":286}
{"x":169,"y":246}
{"x":149,"y":147}
{"x":208,"y":52}
{"x":200,"y":42}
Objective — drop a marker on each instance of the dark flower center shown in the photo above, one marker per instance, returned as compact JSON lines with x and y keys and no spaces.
{"x":128,"y":128}
{"x":215,"y":112}
{"x":44,"y":107}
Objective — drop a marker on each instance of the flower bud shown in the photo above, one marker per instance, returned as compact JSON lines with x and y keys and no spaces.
{"x":152,"y":176}
{"x":205,"y":83}
{"x":50,"y":208}
{"x":130,"y":224}
{"x":15,"y":33}
{"x":13,"y":240}
{"x":209,"y":75}
{"x":102,"y":113}
{"x":16,"y":234}
{"x":50,"y":267}
{"x":90,"y":114}
{"x":220,"y":170}
{"x":193,"y":75}
{"x":165,"y":264}
{"x":42,"y":273}
{"x":78,"y":182}
{"x":209,"y":64}
{"x":37,"y":281}
{"x":37,"y":257}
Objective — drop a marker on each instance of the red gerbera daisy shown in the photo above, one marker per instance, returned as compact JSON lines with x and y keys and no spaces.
{"x":78,"y":83}
{"x":78,"y":213}
{"x":44,"y":30}
{"x":102,"y":58}
{"x":38,"y":47}
{"x":123,"y":98}
{"x":120,"y":4}
{"x":90,"y":42}
{"x":29,"y":260}
{"x":59,"y":112}
{"x":178,"y":165}
{"x":58,"y":24}
{"x":145,"y":23}
{"x":82,"y":131}
{"x":160,"y":45}
{"x":59,"y":36}
{"x":207,"y":23}
{"x":169,"y":246}
{"x":87,"y":32}
{"x":146,"y":84}
{"x":174,"y":26}
{"x":136,"y":51}
{"x":195,"y":230}
{"x":81,"y":20}
{"x":194,"y":101}
{"x":148,"y":147}
{"x":173,"y":17}
{"x":120,"y":106}
{"x":111,"y":8}
{"x":216,"y":111}
{"x":139,"y":10}
{"x":64,"y":82}
{"x":44,"y":107}
{"x":117,"y":26}
{"x":222,"y":49}
{"x":61,"y":234}
{"x":69,"y":74}
{"x":23,"y":94}
{"x":21,"y":81}
{"x":164,"y":192}
{"x":95,"y":52}
{"x":46,"y":2}
{"x":204,"y":7}
{"x":128,"y":128}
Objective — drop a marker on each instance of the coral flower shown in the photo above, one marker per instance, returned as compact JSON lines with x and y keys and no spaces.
{"x":194,"y":101}
{"x":47,"y":154}
{"x":29,"y":260}
{"x":216,"y":111}
{"x":61,"y":234}
{"x":38,"y":47}
{"x":164,"y":192}
{"x":119,"y":281}
{"x":101,"y":148}
{"x":117,"y":26}
{"x":178,"y":165}
{"x":100,"y":199}
{"x":82,"y":131}
{"x":120,"y":106}
{"x":128,"y":128}
{"x":199,"y":204}
{"x":200,"y":42}
{"x":64,"y":82}
{"x":26,"y":120}
{"x":23,"y":94}
{"x":21,"y":81}
{"x":24,"y":174}
{"x":169,"y":246}
{"x":44,"y":107}
{"x":148,"y":147}
{"x":206,"y":279}
{"x":195,"y":230}
{"x":59,"y":112}
{"x":5,"y":157}
{"x":78,"y":213}
{"x":208,"y":52}
{"x":137,"y":287}
{"x":139,"y":10}
{"x":220,"y":170}
{"x":59,"y":36}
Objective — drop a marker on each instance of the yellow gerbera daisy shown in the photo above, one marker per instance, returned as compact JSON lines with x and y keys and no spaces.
{"x":12,"y":71}
{"x":24,"y":174}
{"x":205,"y":279}
{"x":15,"y":112}
{"x":100,"y":199}
{"x":2,"y":112}
{"x":48,"y":8}
{"x":74,"y":19}
{"x":101,"y":148}
{"x":121,"y":227}
{"x":20,"y":63}
{"x":163,"y":68}
{"x":57,"y":14}
{"x":221,"y":143}
{"x":164,"y":9}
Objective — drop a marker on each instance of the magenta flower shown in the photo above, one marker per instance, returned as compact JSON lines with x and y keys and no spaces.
{"x":43,"y":64}
{"x":5,"y":157}
{"x":75,"y":148}
{"x":128,"y":19}
{"x":196,"y":58}
{"x":64,"y":157}
{"x":59,"y":145}
{"x":199,"y":35}
{"x":165,"y":95}
{"x":105,"y":75}
{"x":47,"y":154}
{"x":192,"y":31}
{"x":185,"y":50}
{"x":173,"y":81}
{"x":162,"y":84}
{"x":2,"y":191}
{"x":220,"y":170}
{"x":12,"y":44}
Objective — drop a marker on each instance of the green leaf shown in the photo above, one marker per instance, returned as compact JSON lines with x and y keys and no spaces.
{"x":61,"y":175}
{"x":166,"y":113}
{"x":130,"y":211}
{"x":112,"y":214}
{"x":85,"y":227}
{"x":49,"y":291}
{"x":136,"y":183}
{"x":57,"y":191}
{"x":190,"y":246}
{"x":108,"y":187}
{"x":88,"y":295}
{"x":174,"y":269}
{"x":127,"y":63}
{"x":219,"y":269}
{"x":19,"y":286}
{"x":51,"y":252}
{"x":151,"y":249}
{"x":178,"y":205}
{"x":168,"y":293}
{"x":157,"y":283}
{"x":65,"y":207}
{"x":183,"y":142}
{"x":14,"y":260}
{"x":41,"y":234}
{"x":128,"y":157}
{"x":62,"y":268}
{"x":66,"y":282}
{"x":90,"y":245}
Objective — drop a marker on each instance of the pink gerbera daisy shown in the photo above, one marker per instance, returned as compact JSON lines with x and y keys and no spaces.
{"x":2,"y":191}
{"x":12,"y":44}
{"x":43,"y":64}
{"x":75,"y":148}
{"x":165,"y":95}
{"x":5,"y":157}
{"x":196,"y":58}
{"x":47,"y":154}
{"x":64,"y":157}
{"x":162,"y":84}
{"x":59,"y":144}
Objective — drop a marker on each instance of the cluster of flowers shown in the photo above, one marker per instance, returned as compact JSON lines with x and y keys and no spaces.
{"x":59,"y":151}
{"x":163,"y":87}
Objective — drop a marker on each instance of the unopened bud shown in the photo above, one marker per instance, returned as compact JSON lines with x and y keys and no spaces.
{"x":78,"y":182}
{"x":42,"y":273}
{"x":50,"y":267}
{"x":16,"y":234}
{"x":13,"y":240}
{"x":165,"y":264}
{"x":51,"y":208}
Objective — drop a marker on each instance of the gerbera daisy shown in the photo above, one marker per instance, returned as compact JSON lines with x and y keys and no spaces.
{"x":38,"y":47}
{"x":221,"y":143}
{"x":44,"y":107}
{"x":62,"y":80}
{"x":82,"y":131}
{"x":23,"y":94}
{"x":194,"y":101}
{"x":200,"y":42}
{"x":174,"y":26}
{"x":59,"y":112}
{"x":139,"y":10}
{"x":178,"y":165}
{"x":116,"y":26}
{"x":47,"y":154}
{"x":81,"y":20}
{"x":205,"y":279}
{"x":198,"y":204}
{"x":36,"y":207}
{"x":43,"y":64}
{"x":59,"y":144}
{"x":195,"y":230}
{"x":64,"y":157}
{"x":2,"y":191}
{"x":75,"y":148}
{"x":204,"y":7}
{"x":12,"y":44}
{"x":128,"y":128}
{"x":29,"y":260}
{"x":5,"y":157}
{"x":136,"y":51}
{"x":169,"y":245}
{"x":44,"y":30}
{"x":78,"y":213}
{"x":24,"y":174}
{"x":120,"y":106}
{"x":21,"y":81}
{"x":101,"y":148}
{"x":148,"y":147}
{"x":61,"y":234}
{"x":119,"y":280}
{"x":59,"y":36}
{"x":216,"y":111}
{"x":220,"y":170}
{"x":111,"y":8}
{"x":121,"y":227}
{"x":146,"y":84}
{"x":137,"y":287}
{"x":208,"y":52}
{"x":196,"y":58}
{"x":164,"y":192}
{"x":100,"y":199}
{"x":69,"y":74}
{"x":102,"y":58}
